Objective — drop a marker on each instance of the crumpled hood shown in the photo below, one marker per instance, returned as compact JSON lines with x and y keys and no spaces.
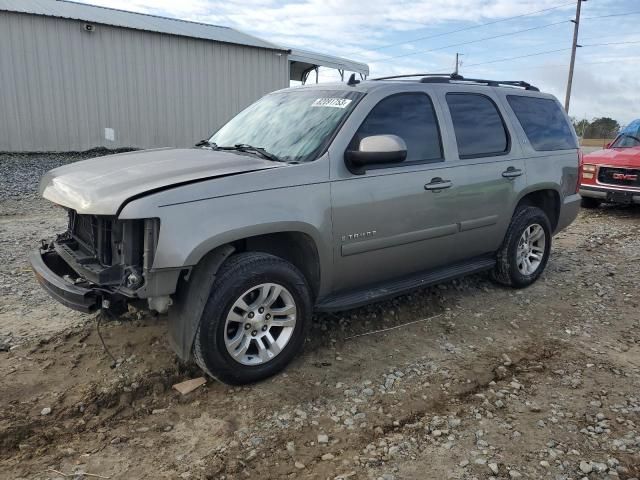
{"x":101,"y":185}
{"x":618,"y":157}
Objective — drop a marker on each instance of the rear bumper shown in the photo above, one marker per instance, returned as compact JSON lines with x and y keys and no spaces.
{"x":49,"y":269}
{"x":605,"y":193}
{"x":568,"y":211}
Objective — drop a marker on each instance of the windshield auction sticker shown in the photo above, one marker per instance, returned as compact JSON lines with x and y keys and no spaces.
{"x":331,"y":102}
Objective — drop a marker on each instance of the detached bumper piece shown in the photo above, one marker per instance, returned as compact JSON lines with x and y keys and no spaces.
{"x":55,"y":276}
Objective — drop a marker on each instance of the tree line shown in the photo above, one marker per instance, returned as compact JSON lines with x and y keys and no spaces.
{"x":603,"y":127}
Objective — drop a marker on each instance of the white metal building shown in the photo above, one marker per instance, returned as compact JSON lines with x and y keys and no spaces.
{"x":74,"y":76}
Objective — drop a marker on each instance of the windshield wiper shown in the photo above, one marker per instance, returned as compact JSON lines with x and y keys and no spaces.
{"x":206,"y":143}
{"x":243,"y":147}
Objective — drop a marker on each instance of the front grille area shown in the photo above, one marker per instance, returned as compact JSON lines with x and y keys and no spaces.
{"x":627,"y":177}
{"x":93,"y":233}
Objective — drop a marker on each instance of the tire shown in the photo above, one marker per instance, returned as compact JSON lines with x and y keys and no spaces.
{"x":251,"y":279}
{"x":589,"y":202}
{"x":511,"y":269}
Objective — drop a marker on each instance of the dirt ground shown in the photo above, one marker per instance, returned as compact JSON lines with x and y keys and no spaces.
{"x":490,"y":383}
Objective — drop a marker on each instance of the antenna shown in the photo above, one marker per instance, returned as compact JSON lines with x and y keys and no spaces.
{"x":352,"y":80}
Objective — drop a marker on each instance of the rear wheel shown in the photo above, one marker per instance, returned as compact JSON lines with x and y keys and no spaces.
{"x":255,"y":320}
{"x":525,"y":250}
{"x":589,"y":202}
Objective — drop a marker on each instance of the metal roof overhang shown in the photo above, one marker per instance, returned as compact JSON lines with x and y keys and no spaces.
{"x":303,"y":62}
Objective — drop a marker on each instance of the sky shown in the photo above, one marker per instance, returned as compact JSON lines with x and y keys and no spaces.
{"x":407,"y":36}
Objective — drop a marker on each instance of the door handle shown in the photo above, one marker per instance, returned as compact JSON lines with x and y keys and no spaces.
{"x":512,"y":172}
{"x":438,"y":183}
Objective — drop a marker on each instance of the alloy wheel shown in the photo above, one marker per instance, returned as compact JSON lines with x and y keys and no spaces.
{"x":260,"y":324}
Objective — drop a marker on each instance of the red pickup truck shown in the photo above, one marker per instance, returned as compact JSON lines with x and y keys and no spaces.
{"x":612,"y":175}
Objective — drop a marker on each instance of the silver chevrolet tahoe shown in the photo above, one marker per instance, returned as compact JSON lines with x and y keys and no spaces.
{"x":323,"y":197}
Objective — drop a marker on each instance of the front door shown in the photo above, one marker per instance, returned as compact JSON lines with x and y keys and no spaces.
{"x":395,"y":219}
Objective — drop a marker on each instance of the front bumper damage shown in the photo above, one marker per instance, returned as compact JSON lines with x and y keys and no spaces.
{"x":56,"y":277}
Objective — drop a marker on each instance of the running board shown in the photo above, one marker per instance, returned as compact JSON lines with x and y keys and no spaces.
{"x":393,"y":288}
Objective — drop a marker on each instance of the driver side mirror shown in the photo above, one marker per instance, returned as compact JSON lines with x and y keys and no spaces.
{"x":375,"y":150}
{"x":608,"y":145}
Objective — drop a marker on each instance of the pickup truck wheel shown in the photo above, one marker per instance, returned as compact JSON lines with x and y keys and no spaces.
{"x":589,"y":202}
{"x":255,"y":320}
{"x":525,"y":250}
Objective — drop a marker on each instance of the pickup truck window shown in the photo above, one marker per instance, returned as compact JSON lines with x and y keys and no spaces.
{"x":479,"y":128}
{"x":295,"y":126}
{"x":543,"y":122}
{"x":410,"y":116}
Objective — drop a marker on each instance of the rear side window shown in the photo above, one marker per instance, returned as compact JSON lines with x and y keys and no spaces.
{"x":544,"y":123}
{"x":410,"y":116}
{"x":480,"y":130}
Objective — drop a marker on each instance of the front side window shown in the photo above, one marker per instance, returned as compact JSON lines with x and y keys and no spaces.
{"x":294,"y":126}
{"x":479,"y":128}
{"x":410,"y":116}
{"x":543,"y":122}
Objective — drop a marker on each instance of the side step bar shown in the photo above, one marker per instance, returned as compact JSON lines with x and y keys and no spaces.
{"x":393,"y":288}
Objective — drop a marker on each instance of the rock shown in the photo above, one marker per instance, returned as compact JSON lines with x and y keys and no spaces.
{"x":586,"y":467}
{"x":299,"y":465}
{"x":544,"y":464}
{"x":515,"y":474}
{"x":328,"y":456}
{"x":494,"y":468}
{"x":368,"y":392}
{"x":323,"y":438}
{"x":45,"y":411}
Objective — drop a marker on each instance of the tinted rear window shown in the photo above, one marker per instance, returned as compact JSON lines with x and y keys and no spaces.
{"x":480,"y":131}
{"x":544,"y":123}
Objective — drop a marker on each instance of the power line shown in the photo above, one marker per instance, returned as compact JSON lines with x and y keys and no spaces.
{"x":464,"y":29}
{"x":470,"y":41}
{"x":546,"y":52}
{"x":564,"y":65}
{"x":519,"y":56}
{"x":612,"y":15}
{"x":610,"y":43}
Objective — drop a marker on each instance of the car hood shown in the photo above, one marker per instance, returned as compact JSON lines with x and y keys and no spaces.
{"x":101,"y":185}
{"x":619,"y":157}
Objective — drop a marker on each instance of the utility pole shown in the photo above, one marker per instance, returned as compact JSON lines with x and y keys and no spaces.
{"x":573,"y":54}
{"x":458,"y":55}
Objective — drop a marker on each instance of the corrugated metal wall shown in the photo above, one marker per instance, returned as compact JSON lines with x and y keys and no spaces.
{"x":61,"y":87}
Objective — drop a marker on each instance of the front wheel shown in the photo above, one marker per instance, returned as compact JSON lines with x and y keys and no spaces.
{"x":255,"y":320}
{"x":525,"y":250}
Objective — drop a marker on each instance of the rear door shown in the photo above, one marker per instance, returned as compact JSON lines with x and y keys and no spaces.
{"x":489,"y":168}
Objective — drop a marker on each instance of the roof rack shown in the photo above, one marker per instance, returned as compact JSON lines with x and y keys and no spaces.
{"x":454,"y":77}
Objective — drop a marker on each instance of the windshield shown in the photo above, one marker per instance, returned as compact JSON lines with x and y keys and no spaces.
{"x":294,"y":126}
{"x":629,"y":136}
{"x":626,"y":140}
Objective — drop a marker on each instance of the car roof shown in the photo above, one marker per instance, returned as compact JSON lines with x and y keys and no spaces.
{"x":431,"y":82}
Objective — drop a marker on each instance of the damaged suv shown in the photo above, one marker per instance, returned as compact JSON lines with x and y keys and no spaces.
{"x":323,"y":197}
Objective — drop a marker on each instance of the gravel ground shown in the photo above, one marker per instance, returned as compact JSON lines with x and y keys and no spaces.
{"x":490,"y":383}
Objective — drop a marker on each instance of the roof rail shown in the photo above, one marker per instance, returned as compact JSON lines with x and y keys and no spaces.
{"x":414,"y":75}
{"x":454,"y":77}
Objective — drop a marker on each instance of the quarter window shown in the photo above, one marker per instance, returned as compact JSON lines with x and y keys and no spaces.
{"x":543,"y":122}
{"x":479,"y":128}
{"x":410,"y":116}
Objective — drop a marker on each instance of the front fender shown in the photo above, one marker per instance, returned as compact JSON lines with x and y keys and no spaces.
{"x":189,"y":230}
